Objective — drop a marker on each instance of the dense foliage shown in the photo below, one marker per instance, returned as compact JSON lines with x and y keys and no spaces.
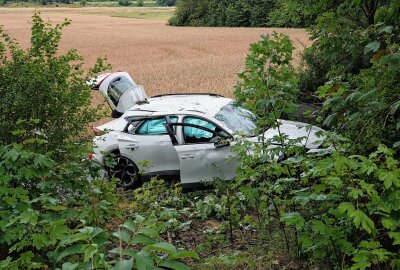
{"x":338,"y":207}
{"x":339,"y":39}
{"x":335,"y":208}
{"x":43,"y":91}
{"x":222,"y":13}
{"x":167,"y":3}
{"x":286,"y":13}
{"x":54,"y":202}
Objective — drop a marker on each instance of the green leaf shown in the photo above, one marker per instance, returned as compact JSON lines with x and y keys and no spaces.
{"x":142,"y":239}
{"x":148,"y":231}
{"x":123,"y":235}
{"x":144,"y":261}
{"x":372,"y":47}
{"x":29,"y":216}
{"x":389,"y":178}
{"x":40,"y":240}
{"x":77,"y":237}
{"x":294,"y":219}
{"x":333,"y":181}
{"x":69,"y":266}
{"x":175,"y":265}
{"x":163,"y":247}
{"x":75,"y":249}
{"x":181,"y":254}
{"x":385,"y":29}
{"x":124,"y":264}
{"x":130,"y":252}
{"x":361,"y":261}
{"x":361,"y":219}
{"x":130,"y":225}
{"x":89,"y":251}
{"x":395,"y":236}
{"x":346,"y":207}
{"x":389,"y":223}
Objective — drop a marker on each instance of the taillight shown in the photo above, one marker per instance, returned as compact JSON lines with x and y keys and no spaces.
{"x":90,"y":156}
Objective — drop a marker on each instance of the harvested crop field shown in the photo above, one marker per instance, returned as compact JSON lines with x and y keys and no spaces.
{"x":164,"y":59}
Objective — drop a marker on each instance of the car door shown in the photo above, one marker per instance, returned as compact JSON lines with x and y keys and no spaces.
{"x":120,"y":91}
{"x":205,"y":153}
{"x":148,"y":144}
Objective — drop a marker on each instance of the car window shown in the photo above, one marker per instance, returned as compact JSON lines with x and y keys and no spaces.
{"x":118,"y":87}
{"x":132,"y":126}
{"x":155,"y":126}
{"x":197,"y":135}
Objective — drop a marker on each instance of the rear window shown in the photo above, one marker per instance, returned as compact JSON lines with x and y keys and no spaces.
{"x":118,"y":87}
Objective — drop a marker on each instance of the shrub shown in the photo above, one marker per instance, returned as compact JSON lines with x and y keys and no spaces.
{"x":222,"y":13}
{"x":167,"y":3}
{"x":50,"y":199}
{"x":140,"y":3}
{"x":52,"y":211}
{"x":338,"y":207}
{"x":42,"y":85}
{"x":366,"y":107}
{"x":124,"y":3}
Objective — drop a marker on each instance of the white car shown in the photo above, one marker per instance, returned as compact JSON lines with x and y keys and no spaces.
{"x":182,"y":136}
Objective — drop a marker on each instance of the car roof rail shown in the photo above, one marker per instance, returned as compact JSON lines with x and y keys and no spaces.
{"x":188,"y":94}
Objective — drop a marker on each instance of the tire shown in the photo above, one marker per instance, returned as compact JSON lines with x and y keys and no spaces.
{"x":126,"y":171}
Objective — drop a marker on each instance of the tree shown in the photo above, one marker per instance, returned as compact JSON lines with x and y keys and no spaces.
{"x":43,"y":90}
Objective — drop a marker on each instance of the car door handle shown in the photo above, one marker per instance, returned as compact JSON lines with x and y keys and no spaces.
{"x":187,"y":156}
{"x":132,"y":146}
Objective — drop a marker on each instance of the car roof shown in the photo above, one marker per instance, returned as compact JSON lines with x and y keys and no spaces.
{"x":206,"y":104}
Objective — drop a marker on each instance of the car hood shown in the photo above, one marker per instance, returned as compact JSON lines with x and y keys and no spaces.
{"x":296,"y":130}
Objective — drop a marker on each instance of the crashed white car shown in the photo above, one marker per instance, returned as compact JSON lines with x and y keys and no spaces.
{"x":183,"y":136}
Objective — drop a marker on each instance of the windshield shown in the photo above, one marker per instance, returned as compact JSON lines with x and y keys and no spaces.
{"x":237,"y":119}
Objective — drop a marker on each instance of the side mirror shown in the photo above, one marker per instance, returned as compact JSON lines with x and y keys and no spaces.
{"x":221,"y":143}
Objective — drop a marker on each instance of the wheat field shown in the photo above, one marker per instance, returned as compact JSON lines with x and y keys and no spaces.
{"x":162,"y":58}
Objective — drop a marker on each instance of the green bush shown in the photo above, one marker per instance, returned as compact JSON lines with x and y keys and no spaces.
{"x":124,"y":3}
{"x":93,"y":243}
{"x":366,"y":107}
{"x":338,"y":207}
{"x":54,"y":204}
{"x":339,"y":36}
{"x":238,"y":13}
{"x":295,"y":13}
{"x":43,"y":85}
{"x":140,"y":3}
{"x":167,"y":3}
{"x":43,"y":201}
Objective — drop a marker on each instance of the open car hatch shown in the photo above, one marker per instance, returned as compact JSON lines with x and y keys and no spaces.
{"x":120,"y":91}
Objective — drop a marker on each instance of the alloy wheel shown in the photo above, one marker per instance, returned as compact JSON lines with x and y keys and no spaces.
{"x":124,"y":170}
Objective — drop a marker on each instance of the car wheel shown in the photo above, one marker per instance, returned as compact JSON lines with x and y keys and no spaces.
{"x":126,"y":171}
